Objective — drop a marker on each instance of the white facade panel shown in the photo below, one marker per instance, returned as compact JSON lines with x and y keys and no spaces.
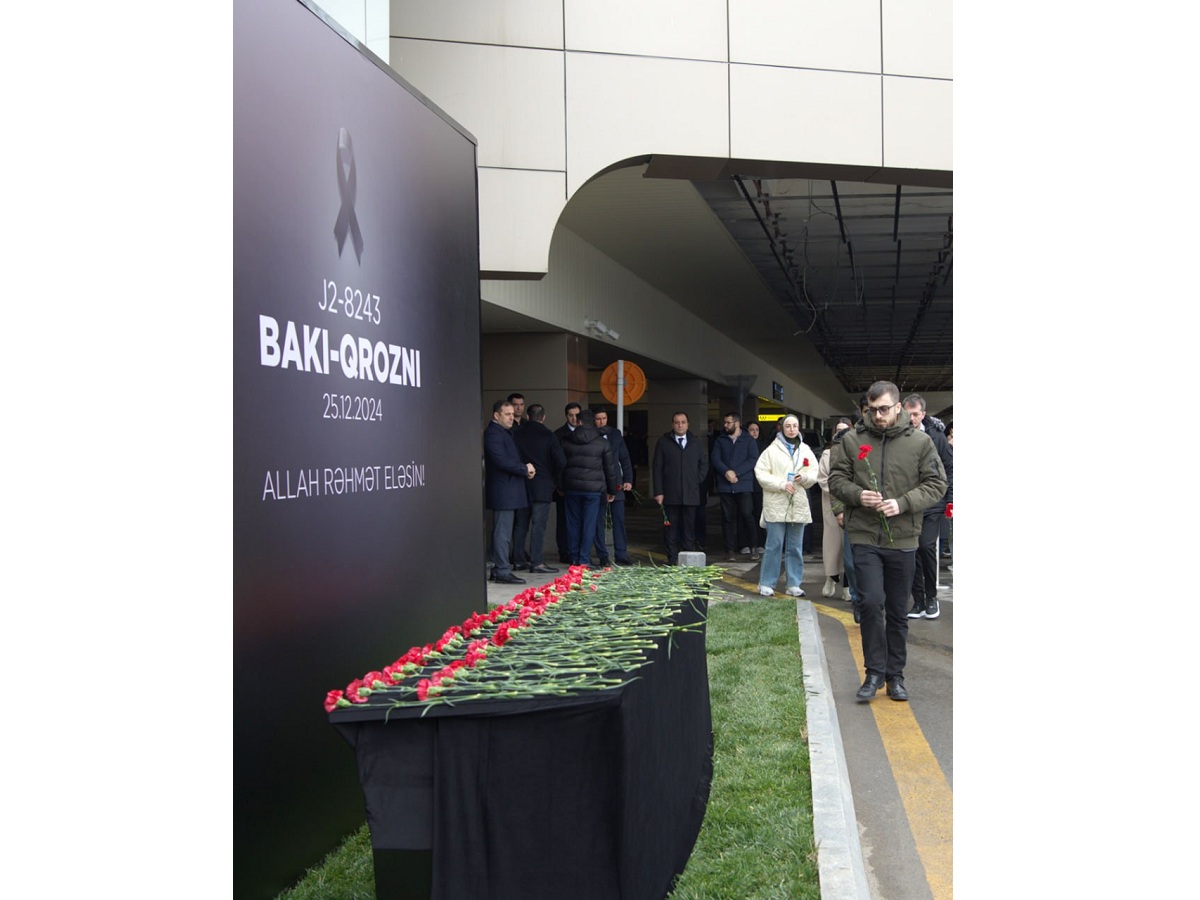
{"x":918,"y":38}
{"x":683,"y":29}
{"x":806,"y":34}
{"x":805,"y":116}
{"x":350,"y":14}
{"x":513,"y":23}
{"x":918,"y":123}
{"x":620,"y":107}
{"x":378,"y":18}
{"x":510,"y":99}
{"x":517,"y":214}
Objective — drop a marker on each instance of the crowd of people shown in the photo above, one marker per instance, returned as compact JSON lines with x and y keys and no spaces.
{"x":884,"y":481}
{"x":583,"y":467}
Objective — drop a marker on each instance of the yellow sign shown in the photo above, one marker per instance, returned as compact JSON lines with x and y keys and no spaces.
{"x":635,"y":383}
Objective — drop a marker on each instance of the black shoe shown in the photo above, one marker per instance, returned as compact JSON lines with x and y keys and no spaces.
{"x":542,"y":569}
{"x":918,"y":610}
{"x":931,"y":609}
{"x":605,"y":563}
{"x":507,"y":579}
{"x":731,"y":557}
{"x":857,"y":613}
{"x":895,"y":688}
{"x":624,"y":561}
{"x":869,"y":687}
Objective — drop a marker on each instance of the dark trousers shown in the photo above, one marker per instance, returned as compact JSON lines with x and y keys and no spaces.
{"x":884,"y":576}
{"x":616,"y":510}
{"x":502,"y":532}
{"x":530,"y":521}
{"x":560,"y":529}
{"x":582,"y":509}
{"x":681,"y":532}
{"x":737,"y":524}
{"x":925,"y":573}
{"x":701,"y":525}
{"x":760,"y":533}
{"x":848,"y":567}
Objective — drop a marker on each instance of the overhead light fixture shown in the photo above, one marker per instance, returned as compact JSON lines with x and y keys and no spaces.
{"x":600,"y":328}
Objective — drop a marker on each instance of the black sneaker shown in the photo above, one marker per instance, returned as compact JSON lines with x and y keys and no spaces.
{"x":918,"y":610}
{"x":931,"y":609}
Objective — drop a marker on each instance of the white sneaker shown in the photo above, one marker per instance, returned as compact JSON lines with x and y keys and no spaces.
{"x":745,"y":550}
{"x":764,"y":591}
{"x":846,"y":595}
{"x":795,"y":592}
{"x":830,"y":587}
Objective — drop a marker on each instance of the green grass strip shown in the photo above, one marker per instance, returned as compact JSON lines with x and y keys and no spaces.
{"x":757,"y":839}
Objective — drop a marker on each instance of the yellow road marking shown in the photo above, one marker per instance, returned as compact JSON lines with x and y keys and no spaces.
{"x":924,"y":791}
{"x":926,"y":795}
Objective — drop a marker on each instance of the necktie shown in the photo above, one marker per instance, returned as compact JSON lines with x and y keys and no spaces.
{"x":680,"y":439}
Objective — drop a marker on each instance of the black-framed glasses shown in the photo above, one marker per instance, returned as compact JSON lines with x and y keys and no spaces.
{"x":882,"y":410}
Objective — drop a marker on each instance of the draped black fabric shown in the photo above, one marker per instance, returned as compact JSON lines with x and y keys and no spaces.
{"x":594,"y":797}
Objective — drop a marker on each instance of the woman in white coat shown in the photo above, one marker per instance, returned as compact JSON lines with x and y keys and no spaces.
{"x":786,"y":469}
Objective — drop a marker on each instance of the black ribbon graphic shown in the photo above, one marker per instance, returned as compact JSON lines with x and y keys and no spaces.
{"x":348,"y":189}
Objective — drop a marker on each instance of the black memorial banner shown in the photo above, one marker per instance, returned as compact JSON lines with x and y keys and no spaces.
{"x":357,"y":507}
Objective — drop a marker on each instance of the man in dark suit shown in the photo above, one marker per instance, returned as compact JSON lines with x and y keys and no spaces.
{"x":571,"y":411}
{"x":505,"y":477}
{"x":679,"y":468}
{"x":616,"y":508}
{"x":540,"y":447}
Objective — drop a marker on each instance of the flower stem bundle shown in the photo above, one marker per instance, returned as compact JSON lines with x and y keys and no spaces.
{"x":584,"y":631}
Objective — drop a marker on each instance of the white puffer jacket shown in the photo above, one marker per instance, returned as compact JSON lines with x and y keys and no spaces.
{"x":772,"y":470}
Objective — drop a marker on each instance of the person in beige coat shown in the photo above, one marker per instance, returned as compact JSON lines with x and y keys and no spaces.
{"x":832,"y":536}
{"x":786,"y":469}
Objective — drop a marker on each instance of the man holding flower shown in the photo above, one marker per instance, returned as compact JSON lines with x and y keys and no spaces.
{"x":887,"y":474}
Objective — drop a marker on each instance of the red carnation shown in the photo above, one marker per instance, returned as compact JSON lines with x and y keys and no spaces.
{"x":863,"y":451}
{"x":804,"y":465}
{"x":950,"y":510}
{"x":331,"y":700}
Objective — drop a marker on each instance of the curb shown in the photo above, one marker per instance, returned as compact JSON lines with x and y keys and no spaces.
{"x":843,"y":872}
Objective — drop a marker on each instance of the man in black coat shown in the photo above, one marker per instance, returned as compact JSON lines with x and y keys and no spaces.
{"x":925,"y":573}
{"x":505,"y":477}
{"x":571,"y":411}
{"x":616,"y":506}
{"x":590,"y":475}
{"x":678,"y":470}
{"x":539,"y":446}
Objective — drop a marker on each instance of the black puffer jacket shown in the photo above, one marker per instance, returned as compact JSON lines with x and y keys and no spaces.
{"x":590,"y":464}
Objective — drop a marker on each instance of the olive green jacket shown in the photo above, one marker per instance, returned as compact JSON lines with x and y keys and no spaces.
{"x":907,"y":468}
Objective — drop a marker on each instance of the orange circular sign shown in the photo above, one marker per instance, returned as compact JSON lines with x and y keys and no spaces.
{"x":635,"y":383}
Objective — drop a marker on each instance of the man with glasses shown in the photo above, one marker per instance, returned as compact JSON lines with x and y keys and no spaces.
{"x":887,"y":474}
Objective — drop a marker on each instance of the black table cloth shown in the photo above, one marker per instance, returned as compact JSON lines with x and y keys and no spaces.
{"x":597,"y":796}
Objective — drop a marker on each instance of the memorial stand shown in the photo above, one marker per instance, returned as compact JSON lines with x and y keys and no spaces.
{"x":594,"y":796}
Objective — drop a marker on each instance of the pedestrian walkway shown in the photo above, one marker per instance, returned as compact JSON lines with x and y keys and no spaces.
{"x":881,"y":771}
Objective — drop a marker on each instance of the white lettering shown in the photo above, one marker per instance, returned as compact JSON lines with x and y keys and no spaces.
{"x":268,"y":341}
{"x":291,"y":347}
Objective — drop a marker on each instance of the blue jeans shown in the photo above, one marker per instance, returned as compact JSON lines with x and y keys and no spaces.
{"x":502,"y":533}
{"x":582,"y":509}
{"x":784,"y":539}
